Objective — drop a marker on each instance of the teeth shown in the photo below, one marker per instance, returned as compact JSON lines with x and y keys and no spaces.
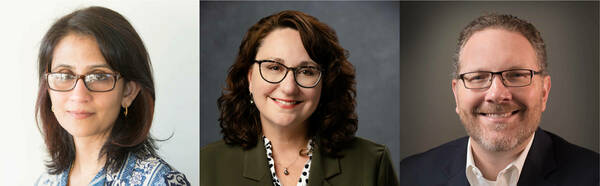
{"x":286,"y":102}
{"x":498,"y":115}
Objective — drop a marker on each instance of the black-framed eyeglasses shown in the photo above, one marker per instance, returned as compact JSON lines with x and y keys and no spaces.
{"x":510,"y":78}
{"x":274,"y":72}
{"x":95,"y":82}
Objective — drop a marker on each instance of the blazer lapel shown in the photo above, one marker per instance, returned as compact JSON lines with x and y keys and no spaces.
{"x":255,"y":165}
{"x":539,"y":162}
{"x":455,"y":167}
{"x":322,"y":168}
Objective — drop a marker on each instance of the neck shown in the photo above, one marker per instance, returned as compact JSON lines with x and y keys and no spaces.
{"x":87,"y":154}
{"x":287,"y":138}
{"x":492,"y":162}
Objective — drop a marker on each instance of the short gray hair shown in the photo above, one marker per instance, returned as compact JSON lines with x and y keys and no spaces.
{"x":507,"y":22}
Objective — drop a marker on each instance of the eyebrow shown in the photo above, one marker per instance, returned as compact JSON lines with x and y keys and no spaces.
{"x":302,"y":63}
{"x":88,"y":67}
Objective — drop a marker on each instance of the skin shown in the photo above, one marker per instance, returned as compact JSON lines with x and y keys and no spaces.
{"x":498,"y":140}
{"x":286,"y":128}
{"x":87,"y":116}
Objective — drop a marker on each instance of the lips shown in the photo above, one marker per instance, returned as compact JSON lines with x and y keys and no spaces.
{"x":499,"y":114}
{"x":285,"y":103}
{"x":80,"y":114}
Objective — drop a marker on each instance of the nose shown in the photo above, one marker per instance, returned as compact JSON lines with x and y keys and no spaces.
{"x":80,"y":93}
{"x":288,"y":84}
{"x":498,"y":93}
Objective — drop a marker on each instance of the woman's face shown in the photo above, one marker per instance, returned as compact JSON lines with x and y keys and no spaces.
{"x":284,"y":103}
{"x":79,"y":111}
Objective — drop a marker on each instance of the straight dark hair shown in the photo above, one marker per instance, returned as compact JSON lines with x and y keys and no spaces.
{"x":125,"y":53}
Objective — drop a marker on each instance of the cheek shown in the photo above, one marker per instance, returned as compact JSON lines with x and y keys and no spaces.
{"x":468,"y":100}
{"x":314,"y":94}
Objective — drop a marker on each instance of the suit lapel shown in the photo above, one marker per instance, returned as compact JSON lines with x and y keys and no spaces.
{"x":539,"y":162}
{"x":322,"y":168}
{"x":255,"y":165}
{"x":455,"y":166}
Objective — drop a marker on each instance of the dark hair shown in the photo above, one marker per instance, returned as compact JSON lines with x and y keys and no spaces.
{"x":506,"y":22}
{"x":332,"y":124}
{"x":125,"y":53}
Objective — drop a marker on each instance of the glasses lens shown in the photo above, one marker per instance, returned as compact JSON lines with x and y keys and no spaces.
{"x":477,"y":79}
{"x":308,"y":76}
{"x":100,"y":82}
{"x":517,"y":77}
{"x":272,"y":71}
{"x":61,"y":81}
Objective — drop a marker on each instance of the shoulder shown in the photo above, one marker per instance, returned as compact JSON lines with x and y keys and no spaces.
{"x":364,"y":148}
{"x":366,"y":160}
{"x":48,"y":179}
{"x":143,"y":169}
{"x":434,"y":157}
{"x":435,"y":165}
{"x":219,"y":152}
{"x":564,"y":149}
{"x":219,"y":147}
{"x":573,"y":157}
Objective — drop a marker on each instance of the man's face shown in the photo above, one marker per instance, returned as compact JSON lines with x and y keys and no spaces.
{"x":499,"y":118}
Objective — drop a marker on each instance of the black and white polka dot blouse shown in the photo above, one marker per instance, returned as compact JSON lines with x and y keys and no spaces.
{"x":303,"y":180}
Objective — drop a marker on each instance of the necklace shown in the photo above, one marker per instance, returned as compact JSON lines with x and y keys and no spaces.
{"x":302,"y":152}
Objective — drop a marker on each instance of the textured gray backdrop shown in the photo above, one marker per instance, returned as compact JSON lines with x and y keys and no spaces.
{"x":429,"y":32}
{"x":368,"y":30}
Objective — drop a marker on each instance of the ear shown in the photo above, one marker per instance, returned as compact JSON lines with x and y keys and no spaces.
{"x":454,"y":81}
{"x":250,"y":78}
{"x":546,"y":84}
{"x":130,"y":92}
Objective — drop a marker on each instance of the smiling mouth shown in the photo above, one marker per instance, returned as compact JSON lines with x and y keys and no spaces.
{"x":285,"y":101}
{"x":499,"y":115}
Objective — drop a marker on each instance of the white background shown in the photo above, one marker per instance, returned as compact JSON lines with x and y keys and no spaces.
{"x":170,"y":31}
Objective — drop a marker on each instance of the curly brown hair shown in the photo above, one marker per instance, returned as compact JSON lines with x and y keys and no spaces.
{"x":333,"y":123}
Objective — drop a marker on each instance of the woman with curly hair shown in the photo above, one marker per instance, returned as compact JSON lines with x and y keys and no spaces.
{"x":287,"y":112}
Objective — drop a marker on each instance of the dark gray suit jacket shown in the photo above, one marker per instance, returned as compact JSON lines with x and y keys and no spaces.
{"x":551,"y":161}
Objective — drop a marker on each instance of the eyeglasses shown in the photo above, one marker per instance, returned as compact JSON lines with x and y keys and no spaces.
{"x":510,"y":78}
{"x":274,"y":72}
{"x":98,"y":82}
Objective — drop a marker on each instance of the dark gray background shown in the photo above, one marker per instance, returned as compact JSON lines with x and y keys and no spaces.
{"x":429,"y":32}
{"x":368,"y":30}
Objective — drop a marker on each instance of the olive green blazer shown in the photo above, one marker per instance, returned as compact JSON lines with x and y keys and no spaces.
{"x":363,"y":163}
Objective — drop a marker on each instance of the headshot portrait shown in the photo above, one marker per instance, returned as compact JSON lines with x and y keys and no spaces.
{"x":501,"y":93}
{"x":101,"y":97}
{"x":298,"y":93}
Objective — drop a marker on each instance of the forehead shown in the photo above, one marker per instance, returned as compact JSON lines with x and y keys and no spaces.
{"x":78,"y":52}
{"x":496,"y":49}
{"x":284,"y":44}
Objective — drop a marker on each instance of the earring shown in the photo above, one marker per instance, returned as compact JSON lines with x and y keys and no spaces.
{"x":251,"y":98}
{"x":125,"y":111}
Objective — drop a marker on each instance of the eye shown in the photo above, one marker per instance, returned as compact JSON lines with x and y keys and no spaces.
{"x":517,"y":75}
{"x":477,"y":77}
{"x":308,"y":71}
{"x":62,"y":76}
{"x":96,"y":77}
{"x":273,"y":67}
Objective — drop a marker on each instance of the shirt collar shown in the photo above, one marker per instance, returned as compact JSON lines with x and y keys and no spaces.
{"x":472,"y":170}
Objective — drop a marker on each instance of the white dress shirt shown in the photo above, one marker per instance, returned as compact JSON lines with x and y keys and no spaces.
{"x":508,"y":176}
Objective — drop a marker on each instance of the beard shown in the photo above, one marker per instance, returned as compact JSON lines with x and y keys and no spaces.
{"x":501,"y":137}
